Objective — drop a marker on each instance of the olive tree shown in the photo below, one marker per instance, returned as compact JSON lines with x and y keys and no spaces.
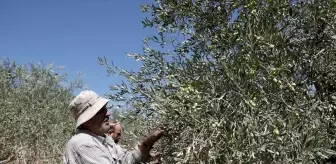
{"x":35,"y":122}
{"x":236,"y":81}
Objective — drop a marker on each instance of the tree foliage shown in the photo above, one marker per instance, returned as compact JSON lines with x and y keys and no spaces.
{"x":236,"y":81}
{"x":35,"y":123}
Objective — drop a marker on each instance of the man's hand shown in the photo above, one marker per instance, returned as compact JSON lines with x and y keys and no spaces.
{"x":149,"y":141}
{"x":153,"y":137}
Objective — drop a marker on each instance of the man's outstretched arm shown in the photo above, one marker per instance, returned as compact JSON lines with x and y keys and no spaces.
{"x":141,"y":152}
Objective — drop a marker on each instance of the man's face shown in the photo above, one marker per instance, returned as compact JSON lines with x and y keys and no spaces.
{"x":99,"y":123}
{"x":116,"y":135}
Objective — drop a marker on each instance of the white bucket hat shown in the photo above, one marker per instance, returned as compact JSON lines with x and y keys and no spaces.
{"x":85,"y":105}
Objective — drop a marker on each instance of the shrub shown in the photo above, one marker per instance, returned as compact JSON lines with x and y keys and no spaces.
{"x":35,"y":123}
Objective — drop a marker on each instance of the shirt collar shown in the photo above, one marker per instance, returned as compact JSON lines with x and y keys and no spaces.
{"x":100,"y":138}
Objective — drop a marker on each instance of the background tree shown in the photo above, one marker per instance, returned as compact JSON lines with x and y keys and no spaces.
{"x":244,"y":81}
{"x":35,"y":122}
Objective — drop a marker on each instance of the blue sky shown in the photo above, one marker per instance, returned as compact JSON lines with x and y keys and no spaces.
{"x":73,"y":33}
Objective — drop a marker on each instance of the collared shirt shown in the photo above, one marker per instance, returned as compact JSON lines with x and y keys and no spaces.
{"x":88,"y":148}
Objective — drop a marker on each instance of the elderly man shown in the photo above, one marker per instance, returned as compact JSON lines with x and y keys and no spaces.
{"x":115,"y":131}
{"x":90,"y":145}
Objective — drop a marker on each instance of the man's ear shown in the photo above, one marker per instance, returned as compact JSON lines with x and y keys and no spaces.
{"x":87,"y":124}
